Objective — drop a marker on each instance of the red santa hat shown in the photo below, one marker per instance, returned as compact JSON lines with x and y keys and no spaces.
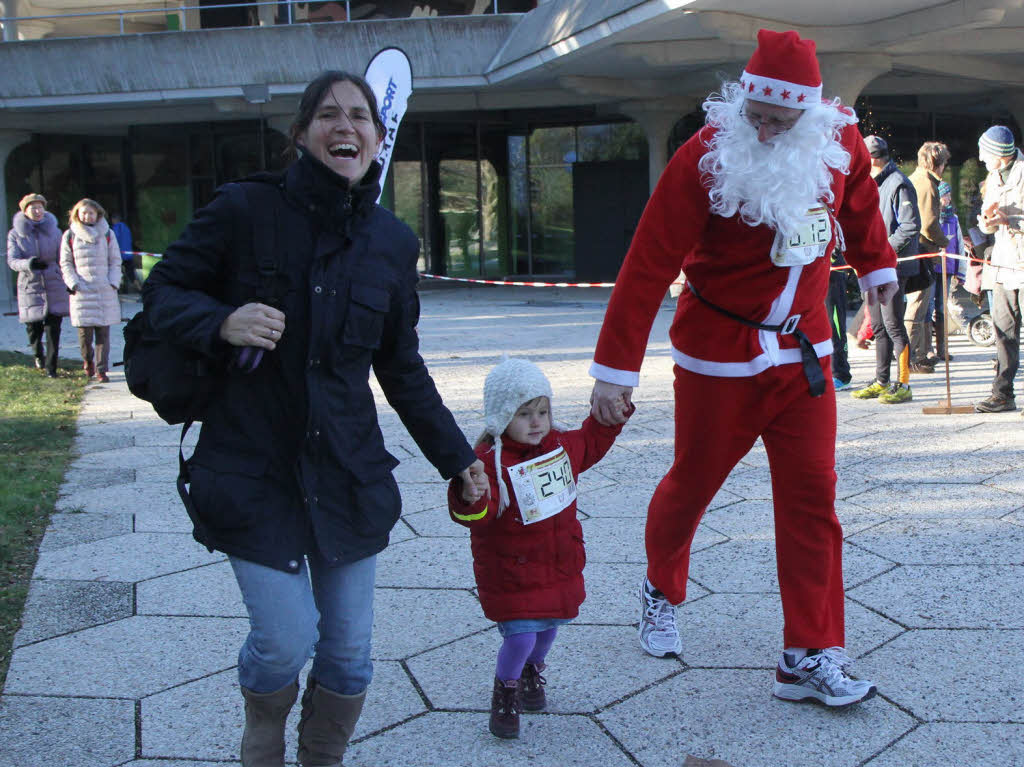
{"x":783,"y":70}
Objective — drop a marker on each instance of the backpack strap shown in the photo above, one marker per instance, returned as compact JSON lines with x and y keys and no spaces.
{"x":265,"y":234}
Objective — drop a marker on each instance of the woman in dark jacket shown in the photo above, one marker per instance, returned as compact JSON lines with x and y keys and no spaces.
{"x":290,"y":470}
{"x":33,"y":250}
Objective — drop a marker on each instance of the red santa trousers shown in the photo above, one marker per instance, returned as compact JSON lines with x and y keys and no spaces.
{"x":717,"y":421}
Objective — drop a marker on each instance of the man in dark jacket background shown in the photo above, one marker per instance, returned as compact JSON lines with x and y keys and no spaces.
{"x":898,"y":203}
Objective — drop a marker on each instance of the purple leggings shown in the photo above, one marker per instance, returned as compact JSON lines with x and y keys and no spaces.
{"x":518,"y":649}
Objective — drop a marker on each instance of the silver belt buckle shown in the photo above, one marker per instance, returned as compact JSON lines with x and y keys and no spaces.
{"x":789,"y":325}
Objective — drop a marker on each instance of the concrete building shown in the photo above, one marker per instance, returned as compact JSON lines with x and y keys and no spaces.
{"x":535,"y":130}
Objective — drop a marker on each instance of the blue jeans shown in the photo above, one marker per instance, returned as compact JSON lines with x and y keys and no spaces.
{"x":326,"y":614}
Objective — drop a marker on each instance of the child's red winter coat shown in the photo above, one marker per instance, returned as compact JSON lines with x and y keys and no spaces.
{"x":530,"y":571}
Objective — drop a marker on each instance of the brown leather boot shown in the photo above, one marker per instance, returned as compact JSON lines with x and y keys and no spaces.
{"x":506,"y":703}
{"x":532,"y":684}
{"x":89,"y":368}
{"x":265,"y":715}
{"x":328,"y":720}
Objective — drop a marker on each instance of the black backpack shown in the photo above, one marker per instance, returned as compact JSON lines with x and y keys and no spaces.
{"x":178,"y":381}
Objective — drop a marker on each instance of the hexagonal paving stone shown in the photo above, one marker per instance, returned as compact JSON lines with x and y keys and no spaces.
{"x":128,"y":458}
{"x":209,"y":590}
{"x":88,"y":479}
{"x":907,"y":499}
{"x":443,"y":615}
{"x":66,"y":731}
{"x":128,"y":658}
{"x":460,"y":675}
{"x":60,"y":607}
{"x":942,"y":744}
{"x":745,"y":630}
{"x":945,"y":541}
{"x":204,"y":719}
{"x":952,"y":689}
{"x":130,"y":558}
{"x":644,"y":472}
{"x":173,"y":763}
{"x":613,"y":593}
{"x":731,"y":715}
{"x":615,"y":500}
{"x":544,"y":741}
{"x":426,"y":563}
{"x":1011,"y":481}
{"x":621,"y":539}
{"x":435,"y":523}
{"x":948,"y":596}
{"x":73,"y":528}
{"x":128,"y":499}
{"x":418,"y":496}
{"x":716,"y":568}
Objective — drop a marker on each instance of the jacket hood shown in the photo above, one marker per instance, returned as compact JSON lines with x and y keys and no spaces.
{"x":24,"y":225}
{"x":90,"y":233}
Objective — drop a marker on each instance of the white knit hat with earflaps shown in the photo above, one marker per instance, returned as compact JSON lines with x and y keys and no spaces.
{"x":510,"y":384}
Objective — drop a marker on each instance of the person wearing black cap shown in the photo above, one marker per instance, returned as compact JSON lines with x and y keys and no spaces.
{"x":1001,"y":214}
{"x":897,"y":201}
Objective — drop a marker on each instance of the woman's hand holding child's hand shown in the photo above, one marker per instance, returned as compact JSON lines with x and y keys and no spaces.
{"x":474,"y":482}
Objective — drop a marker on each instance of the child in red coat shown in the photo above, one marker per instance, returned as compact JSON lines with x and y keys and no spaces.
{"x":527,"y":543}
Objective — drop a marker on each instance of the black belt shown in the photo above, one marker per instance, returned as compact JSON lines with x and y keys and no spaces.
{"x":809,"y":358}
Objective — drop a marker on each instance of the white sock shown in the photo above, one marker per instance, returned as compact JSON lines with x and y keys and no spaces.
{"x":794,"y":655}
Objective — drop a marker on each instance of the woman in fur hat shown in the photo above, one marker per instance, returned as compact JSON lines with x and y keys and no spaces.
{"x":33,"y":251}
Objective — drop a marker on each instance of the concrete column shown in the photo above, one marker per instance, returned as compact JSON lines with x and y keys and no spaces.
{"x":9,"y":141}
{"x":657,"y":123}
{"x":1014,"y":101}
{"x":9,"y":9}
{"x":847,"y":74}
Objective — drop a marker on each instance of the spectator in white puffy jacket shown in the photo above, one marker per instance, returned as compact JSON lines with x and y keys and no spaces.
{"x":90,"y":262}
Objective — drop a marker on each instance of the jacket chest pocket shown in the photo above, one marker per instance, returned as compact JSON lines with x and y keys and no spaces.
{"x":367,"y":309}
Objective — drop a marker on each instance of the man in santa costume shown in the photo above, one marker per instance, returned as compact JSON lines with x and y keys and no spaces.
{"x":750,"y":208}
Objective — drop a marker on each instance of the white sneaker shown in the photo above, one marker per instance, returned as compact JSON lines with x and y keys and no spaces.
{"x":821,"y":677}
{"x":658,"y":633}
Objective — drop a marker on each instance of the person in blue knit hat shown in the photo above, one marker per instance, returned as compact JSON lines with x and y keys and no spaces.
{"x":1002,"y":214}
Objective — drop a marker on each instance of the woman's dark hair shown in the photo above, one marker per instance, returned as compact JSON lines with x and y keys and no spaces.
{"x":314,"y":94}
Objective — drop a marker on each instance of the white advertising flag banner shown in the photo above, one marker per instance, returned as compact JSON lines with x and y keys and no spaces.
{"x":390,"y":76}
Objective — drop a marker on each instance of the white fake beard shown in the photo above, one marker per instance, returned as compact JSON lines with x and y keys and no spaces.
{"x":775,"y":182}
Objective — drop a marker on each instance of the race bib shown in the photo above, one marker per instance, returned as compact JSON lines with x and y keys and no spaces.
{"x":543,"y":486}
{"x":809,"y":241}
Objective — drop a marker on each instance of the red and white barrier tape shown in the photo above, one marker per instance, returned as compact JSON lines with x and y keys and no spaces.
{"x":142,"y":253}
{"x":536,"y":284}
{"x":955,"y":256}
{"x":522,"y":283}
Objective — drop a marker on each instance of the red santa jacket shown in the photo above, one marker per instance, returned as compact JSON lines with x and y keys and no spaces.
{"x":536,"y":570}
{"x":728,"y":262}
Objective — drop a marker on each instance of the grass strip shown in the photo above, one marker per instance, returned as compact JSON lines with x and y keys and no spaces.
{"x":37,"y":427}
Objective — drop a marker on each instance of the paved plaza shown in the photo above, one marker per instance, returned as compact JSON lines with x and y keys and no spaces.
{"x":128,"y":648}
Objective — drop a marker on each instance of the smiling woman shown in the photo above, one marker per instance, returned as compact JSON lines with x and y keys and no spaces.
{"x":291,"y":478}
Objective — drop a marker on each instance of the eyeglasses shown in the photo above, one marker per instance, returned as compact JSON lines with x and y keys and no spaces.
{"x":774,"y":125}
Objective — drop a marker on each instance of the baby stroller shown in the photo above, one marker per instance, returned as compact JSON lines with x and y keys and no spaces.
{"x":981,"y":331}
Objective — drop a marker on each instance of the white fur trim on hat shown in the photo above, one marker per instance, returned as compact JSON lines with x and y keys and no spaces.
{"x":510,"y":384}
{"x":785,"y":94}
